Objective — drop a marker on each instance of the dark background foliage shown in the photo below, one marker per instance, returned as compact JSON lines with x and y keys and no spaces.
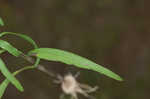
{"x":113,"y":33}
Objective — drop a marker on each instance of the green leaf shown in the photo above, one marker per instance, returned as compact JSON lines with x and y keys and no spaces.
{"x":12,"y":50}
{"x":27,"y":38}
{"x":5,"y":83}
{"x":52,"y":54}
{"x":1,"y":22}
{"x":9,"y":76}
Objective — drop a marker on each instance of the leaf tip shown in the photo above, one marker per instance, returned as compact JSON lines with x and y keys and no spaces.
{"x":1,"y":22}
{"x":119,"y":79}
{"x":21,"y":89}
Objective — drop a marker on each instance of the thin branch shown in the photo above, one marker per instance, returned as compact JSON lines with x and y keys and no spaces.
{"x":39,"y":67}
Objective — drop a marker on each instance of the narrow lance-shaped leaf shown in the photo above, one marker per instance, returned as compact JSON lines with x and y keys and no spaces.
{"x":9,"y":76}
{"x":52,"y":54}
{"x":1,"y":22}
{"x":5,"y":83}
{"x":8,"y":47}
{"x":25,"y":37}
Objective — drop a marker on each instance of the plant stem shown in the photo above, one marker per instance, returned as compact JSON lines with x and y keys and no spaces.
{"x":39,"y":67}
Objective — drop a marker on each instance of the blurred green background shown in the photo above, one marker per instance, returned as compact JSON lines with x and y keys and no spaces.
{"x":113,"y":33}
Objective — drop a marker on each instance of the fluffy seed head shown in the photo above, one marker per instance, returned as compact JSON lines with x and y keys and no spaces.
{"x":69,"y":84}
